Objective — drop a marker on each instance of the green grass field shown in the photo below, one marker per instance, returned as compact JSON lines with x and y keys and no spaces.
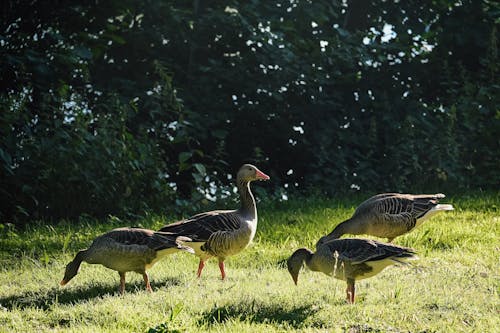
{"x":454,"y":287}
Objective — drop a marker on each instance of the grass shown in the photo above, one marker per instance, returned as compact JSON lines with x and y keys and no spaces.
{"x":454,"y":287}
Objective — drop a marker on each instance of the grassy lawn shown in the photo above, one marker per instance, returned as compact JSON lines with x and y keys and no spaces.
{"x":454,"y":287}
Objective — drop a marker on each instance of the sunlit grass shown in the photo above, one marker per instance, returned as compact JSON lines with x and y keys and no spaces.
{"x":454,"y":287}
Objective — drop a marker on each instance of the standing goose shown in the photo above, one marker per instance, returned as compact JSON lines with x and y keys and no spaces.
{"x":125,"y":250}
{"x":223,"y":233}
{"x":389,"y":215}
{"x":349,"y":259}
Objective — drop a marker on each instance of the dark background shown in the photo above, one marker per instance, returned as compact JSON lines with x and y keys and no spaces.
{"x":124,"y":107}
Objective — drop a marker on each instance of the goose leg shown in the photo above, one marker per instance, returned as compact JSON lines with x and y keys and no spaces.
{"x":222,"y":271}
{"x":200,"y":267}
{"x":146,"y":281}
{"x":350,"y":291}
{"x":122,"y":282}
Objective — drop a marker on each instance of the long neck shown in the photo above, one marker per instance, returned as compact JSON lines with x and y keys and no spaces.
{"x":341,"y":229}
{"x":321,"y":261}
{"x":306,"y":255}
{"x":248,"y":207}
{"x":73,"y":267}
{"x":80,"y":256}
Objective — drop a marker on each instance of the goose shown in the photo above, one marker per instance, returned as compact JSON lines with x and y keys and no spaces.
{"x":125,"y":250}
{"x":349,"y":259}
{"x":389,"y":215}
{"x":223,"y":233}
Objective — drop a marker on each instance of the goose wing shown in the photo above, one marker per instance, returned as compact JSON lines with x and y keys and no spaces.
{"x":143,"y":237}
{"x":356,"y":251}
{"x":405,"y":208}
{"x":129,"y":236}
{"x":201,"y":226}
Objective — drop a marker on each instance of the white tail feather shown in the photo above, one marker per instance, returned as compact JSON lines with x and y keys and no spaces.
{"x":443,"y":207}
{"x":180,"y":241}
{"x":404,"y":260}
{"x":436,"y":209}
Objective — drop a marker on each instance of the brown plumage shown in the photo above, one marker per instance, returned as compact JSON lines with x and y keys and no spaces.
{"x":389,"y":215}
{"x":349,"y":259}
{"x":125,"y":250}
{"x":223,"y":233}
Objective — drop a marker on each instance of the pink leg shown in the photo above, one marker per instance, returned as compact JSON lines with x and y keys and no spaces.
{"x":146,"y":281}
{"x":350,"y":291}
{"x":222,"y":272}
{"x":200,"y":267}
{"x":122,"y":282}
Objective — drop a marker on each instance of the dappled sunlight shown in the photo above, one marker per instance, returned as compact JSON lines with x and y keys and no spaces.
{"x":454,"y":278}
{"x":139,"y":114}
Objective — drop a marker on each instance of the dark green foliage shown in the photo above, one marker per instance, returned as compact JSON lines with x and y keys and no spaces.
{"x":80,"y":134}
{"x":126,"y":106}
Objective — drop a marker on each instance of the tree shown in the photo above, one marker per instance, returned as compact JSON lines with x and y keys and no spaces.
{"x":127,"y":106}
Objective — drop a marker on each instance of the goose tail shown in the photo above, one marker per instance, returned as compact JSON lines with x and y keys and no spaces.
{"x":404,"y":258}
{"x":180,"y":240}
{"x":440,"y":207}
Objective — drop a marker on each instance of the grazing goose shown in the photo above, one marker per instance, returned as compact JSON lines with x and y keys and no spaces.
{"x":223,"y":233}
{"x":389,"y":215}
{"x":125,"y":250}
{"x":349,"y":259}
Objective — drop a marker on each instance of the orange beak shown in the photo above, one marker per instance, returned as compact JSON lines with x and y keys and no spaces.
{"x":63,"y":282}
{"x":262,"y":176}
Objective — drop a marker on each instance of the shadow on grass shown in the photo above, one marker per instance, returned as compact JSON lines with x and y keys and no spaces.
{"x":363,"y":329}
{"x":67,"y":295}
{"x":258,"y":313}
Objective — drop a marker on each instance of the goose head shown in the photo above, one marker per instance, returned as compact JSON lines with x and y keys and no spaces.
{"x":249,"y":172}
{"x":71,"y":270}
{"x":296,"y":261}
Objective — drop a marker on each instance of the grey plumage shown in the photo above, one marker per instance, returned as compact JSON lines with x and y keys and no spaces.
{"x":389,"y":215}
{"x":223,"y":233}
{"x":127,"y":249}
{"x":349,"y":259}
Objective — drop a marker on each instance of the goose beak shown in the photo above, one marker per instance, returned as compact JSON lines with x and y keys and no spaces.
{"x":261,"y":176}
{"x":294,"y":275}
{"x":63,"y":282}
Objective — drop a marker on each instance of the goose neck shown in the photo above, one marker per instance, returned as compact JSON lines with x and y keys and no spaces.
{"x":341,"y":229}
{"x":307,"y":257}
{"x":81,"y":256}
{"x":248,"y":206}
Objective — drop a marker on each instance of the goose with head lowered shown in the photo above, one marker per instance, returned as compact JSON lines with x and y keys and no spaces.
{"x":349,"y":259}
{"x":125,"y":250}
{"x":223,"y":233}
{"x":389,"y":215}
